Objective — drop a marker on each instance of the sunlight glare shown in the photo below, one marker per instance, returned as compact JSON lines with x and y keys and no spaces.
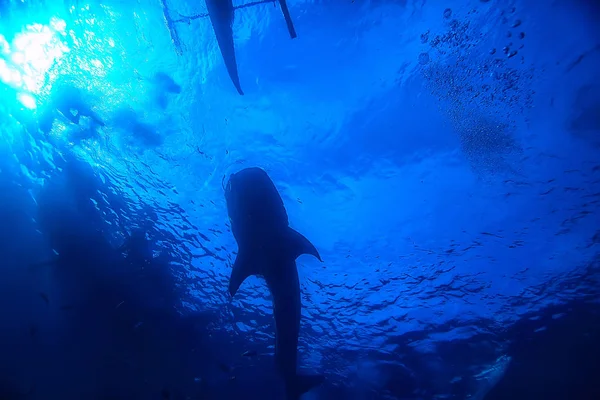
{"x":31,"y":55}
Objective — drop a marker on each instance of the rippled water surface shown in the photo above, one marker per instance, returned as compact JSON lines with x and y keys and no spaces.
{"x":442,"y":156}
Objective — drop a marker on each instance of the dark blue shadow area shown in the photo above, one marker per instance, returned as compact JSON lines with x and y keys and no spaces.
{"x":439,"y":162}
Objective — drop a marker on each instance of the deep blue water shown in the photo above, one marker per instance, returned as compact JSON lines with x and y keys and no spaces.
{"x":444,"y":157}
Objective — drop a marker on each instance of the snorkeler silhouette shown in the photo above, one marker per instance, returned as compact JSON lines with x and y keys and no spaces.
{"x":67,"y":100}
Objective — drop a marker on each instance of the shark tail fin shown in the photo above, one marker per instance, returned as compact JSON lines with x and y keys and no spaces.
{"x":288,"y":18}
{"x":302,"y":384}
{"x":300,"y":245}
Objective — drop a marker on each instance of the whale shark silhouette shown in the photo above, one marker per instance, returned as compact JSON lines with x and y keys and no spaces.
{"x":221,"y":14}
{"x":268,"y":247}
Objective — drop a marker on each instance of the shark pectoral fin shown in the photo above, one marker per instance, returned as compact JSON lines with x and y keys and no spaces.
{"x":243,"y":267}
{"x":300,"y":245}
{"x":302,"y":384}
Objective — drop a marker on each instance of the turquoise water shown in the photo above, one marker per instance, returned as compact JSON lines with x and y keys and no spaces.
{"x":443,"y":157}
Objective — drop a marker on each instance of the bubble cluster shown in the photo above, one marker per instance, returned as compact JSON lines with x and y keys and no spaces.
{"x":482,"y":89}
